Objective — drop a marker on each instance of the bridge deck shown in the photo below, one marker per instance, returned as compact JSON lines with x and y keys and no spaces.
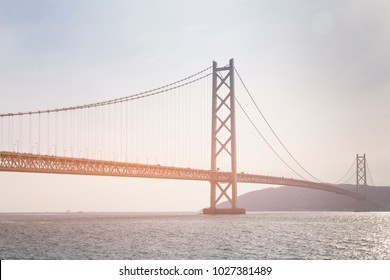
{"x":31,"y":163}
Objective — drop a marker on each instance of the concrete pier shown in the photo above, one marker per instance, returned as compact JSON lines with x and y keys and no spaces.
{"x":227,"y":211}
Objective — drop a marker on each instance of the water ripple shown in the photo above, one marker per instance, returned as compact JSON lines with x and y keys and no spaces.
{"x":316,"y":235}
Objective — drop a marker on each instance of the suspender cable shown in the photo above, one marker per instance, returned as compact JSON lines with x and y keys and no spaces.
{"x":126,"y":137}
{"x":369,"y":173}
{"x":2,"y":134}
{"x":159,"y":90}
{"x":29,"y":133}
{"x":20,"y":136}
{"x":345,"y":175}
{"x":82,"y":130}
{"x":273,"y":132}
{"x":48,"y":134}
{"x":265,"y":140}
{"x":39,"y":133}
{"x":56,"y":135}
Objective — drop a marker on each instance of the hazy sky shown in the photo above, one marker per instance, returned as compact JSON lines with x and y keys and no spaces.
{"x":318,"y":69}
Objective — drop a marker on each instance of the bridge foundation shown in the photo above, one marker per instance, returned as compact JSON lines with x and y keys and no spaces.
{"x":233,"y":211}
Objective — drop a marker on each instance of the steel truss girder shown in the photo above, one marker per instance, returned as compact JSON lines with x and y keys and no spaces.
{"x":32,"y":163}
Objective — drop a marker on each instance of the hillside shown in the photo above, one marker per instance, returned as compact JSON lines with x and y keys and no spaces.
{"x":301,"y":199}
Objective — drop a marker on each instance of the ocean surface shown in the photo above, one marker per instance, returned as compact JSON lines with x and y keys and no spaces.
{"x":265,"y":235}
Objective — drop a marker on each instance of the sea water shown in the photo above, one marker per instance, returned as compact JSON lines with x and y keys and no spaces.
{"x":261,"y":235}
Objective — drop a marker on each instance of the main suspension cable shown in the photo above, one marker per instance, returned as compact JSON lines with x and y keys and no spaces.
{"x":273,"y":132}
{"x":354,"y":174}
{"x":144,"y":94}
{"x":265,"y":140}
{"x":369,"y":173}
{"x":353,"y":164}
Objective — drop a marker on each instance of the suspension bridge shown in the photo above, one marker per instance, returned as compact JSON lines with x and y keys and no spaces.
{"x":161,"y":133}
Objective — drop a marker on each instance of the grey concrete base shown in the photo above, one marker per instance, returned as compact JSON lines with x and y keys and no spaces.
{"x":223,"y":211}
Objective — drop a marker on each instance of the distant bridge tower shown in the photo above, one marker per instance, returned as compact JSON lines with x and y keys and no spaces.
{"x":223,"y":139}
{"x":361,"y":182}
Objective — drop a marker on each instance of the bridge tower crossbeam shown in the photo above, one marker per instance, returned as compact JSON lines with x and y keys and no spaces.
{"x":223,"y":139}
{"x":361,"y":182}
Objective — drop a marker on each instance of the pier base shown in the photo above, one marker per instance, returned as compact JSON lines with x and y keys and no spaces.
{"x":217,"y":211}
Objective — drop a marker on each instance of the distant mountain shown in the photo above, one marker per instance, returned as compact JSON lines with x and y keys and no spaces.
{"x":302,"y":199}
